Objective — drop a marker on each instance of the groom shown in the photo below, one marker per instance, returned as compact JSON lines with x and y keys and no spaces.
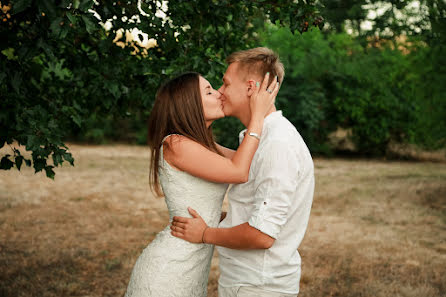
{"x":267,"y":216}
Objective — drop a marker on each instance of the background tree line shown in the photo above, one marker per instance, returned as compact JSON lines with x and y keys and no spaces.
{"x":63,"y":77}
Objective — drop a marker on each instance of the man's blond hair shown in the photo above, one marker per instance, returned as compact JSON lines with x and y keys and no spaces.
{"x":259,"y":60}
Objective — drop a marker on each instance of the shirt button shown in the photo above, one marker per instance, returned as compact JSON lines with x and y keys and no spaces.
{"x":264,"y":202}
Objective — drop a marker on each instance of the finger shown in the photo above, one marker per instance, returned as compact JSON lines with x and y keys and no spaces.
{"x":177,"y":234}
{"x":273,"y":83}
{"x":275,"y":92}
{"x":178,"y":224}
{"x":265,"y":81}
{"x":193,"y":213}
{"x":275,"y":88}
{"x":180,"y":219}
{"x":177,"y":229}
{"x":257,"y":88}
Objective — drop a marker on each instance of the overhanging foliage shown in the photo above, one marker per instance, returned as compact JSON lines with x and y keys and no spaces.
{"x":58,"y":65}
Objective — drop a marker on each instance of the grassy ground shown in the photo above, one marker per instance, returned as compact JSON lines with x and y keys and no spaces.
{"x":377,"y":228}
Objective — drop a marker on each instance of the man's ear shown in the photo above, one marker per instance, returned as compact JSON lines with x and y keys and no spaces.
{"x":251,"y":87}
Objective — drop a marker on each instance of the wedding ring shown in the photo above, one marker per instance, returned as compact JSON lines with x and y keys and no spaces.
{"x":269,"y":91}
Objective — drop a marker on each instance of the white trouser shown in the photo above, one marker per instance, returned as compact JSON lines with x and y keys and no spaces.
{"x":249,"y":291}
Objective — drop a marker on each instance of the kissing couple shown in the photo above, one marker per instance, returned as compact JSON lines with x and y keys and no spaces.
{"x":269,"y":203}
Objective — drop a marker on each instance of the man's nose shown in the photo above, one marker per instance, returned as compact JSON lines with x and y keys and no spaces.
{"x":220,"y":94}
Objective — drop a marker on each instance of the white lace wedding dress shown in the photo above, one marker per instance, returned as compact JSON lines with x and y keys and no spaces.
{"x":170,"y":266}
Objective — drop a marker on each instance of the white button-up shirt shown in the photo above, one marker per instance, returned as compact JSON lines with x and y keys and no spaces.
{"x":277,"y":201}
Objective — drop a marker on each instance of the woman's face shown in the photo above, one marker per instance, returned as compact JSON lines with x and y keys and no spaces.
{"x":212,"y":104}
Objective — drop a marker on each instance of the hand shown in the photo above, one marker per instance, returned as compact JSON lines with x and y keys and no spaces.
{"x":189,"y":229}
{"x":263,"y":97}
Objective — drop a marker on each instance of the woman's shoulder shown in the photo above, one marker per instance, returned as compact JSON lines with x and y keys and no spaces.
{"x":185,"y":154}
{"x":176,"y":141}
{"x":181,"y":146}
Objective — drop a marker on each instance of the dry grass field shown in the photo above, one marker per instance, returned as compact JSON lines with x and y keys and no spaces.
{"x":377,"y":228}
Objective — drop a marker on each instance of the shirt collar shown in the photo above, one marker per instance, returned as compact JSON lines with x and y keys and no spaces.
{"x":271,"y":117}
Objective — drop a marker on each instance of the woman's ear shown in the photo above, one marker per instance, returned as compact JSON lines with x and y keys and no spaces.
{"x":251,"y":87}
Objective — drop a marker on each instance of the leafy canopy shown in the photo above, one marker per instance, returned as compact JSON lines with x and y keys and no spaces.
{"x":58,"y":63}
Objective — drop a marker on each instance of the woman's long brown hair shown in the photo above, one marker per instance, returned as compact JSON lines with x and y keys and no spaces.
{"x":178,"y":109}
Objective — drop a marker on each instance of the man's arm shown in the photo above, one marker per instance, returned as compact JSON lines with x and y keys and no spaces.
{"x":275,"y":183}
{"x":238,"y":237}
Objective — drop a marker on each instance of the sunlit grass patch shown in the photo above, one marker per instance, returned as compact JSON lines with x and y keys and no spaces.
{"x":377,"y":228}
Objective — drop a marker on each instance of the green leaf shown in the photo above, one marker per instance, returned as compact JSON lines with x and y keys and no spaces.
{"x":9,"y":53}
{"x":114,"y":89}
{"x":32,"y":142}
{"x":72,"y":18}
{"x":58,"y":69}
{"x":50,"y":172}
{"x":89,"y":24}
{"x":5,"y":163}
{"x":28,"y":162}
{"x":46,"y":48}
{"x":68,"y":157}
{"x":63,"y":32}
{"x":20,"y":5}
{"x":57,"y":159}
{"x":77,"y":119}
{"x":85,"y":5}
{"x":39,"y":164}
{"x":55,"y":27}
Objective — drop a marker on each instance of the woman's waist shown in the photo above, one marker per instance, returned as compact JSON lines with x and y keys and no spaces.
{"x":210,"y":216}
{"x":166,"y":241}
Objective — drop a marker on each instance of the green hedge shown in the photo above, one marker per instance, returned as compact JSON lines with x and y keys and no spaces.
{"x":380,"y":94}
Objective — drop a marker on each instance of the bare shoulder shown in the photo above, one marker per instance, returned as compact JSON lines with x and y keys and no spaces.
{"x":175,"y":149}
{"x":179,"y":148}
{"x":177,"y":144}
{"x":196,"y":159}
{"x":173,"y":141}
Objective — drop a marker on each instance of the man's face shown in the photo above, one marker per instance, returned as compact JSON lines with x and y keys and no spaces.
{"x":234,"y":92}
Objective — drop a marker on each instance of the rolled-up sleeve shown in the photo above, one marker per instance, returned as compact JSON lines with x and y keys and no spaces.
{"x":276,"y":181}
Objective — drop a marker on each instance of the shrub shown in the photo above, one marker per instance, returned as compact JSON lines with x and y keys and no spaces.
{"x":333,"y":81}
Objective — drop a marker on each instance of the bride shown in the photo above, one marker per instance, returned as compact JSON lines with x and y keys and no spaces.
{"x":191,"y":170}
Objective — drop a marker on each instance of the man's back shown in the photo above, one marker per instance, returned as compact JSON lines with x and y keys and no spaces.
{"x":277,"y":201}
